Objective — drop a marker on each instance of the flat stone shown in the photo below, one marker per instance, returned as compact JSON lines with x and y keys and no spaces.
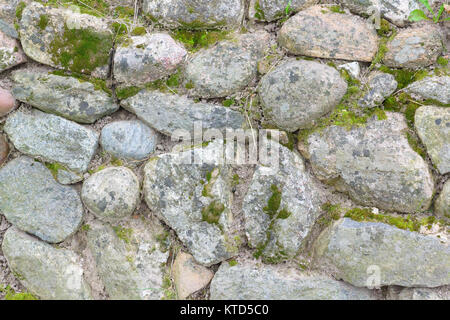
{"x":247,"y":281}
{"x":168,"y":113}
{"x":381,"y":86}
{"x":32,"y":200}
{"x":433,"y":127}
{"x":436,"y":88}
{"x":131,"y":140}
{"x":47,"y":272}
{"x":7,"y":102}
{"x":415,"y":47}
{"x":11,"y":54}
{"x":4,"y":149}
{"x":112,"y":193}
{"x":350,"y":249}
{"x":147,"y":58}
{"x":67,"y":97}
{"x":374,"y":164}
{"x":297,"y":92}
{"x":52,"y":138}
{"x":442,"y":204}
{"x":271,"y":10}
{"x":319,"y":32}
{"x":202,"y":14}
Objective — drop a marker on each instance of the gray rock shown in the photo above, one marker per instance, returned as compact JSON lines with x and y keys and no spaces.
{"x":8,"y":10}
{"x":319,"y":32}
{"x":194,"y":199}
{"x":374,"y":164}
{"x":112,"y":193}
{"x":47,"y":35}
{"x":168,"y":113}
{"x":253,"y":282}
{"x":201,"y":14}
{"x":270,"y":10}
{"x":442,"y":293}
{"x":130,"y":268}
{"x":433,"y":127}
{"x":381,"y":86}
{"x":8,"y":29}
{"x":227,"y":67}
{"x":437,"y":88}
{"x":48,"y":272}
{"x":11,"y":54}
{"x":132,"y":140}
{"x":67,"y":97}
{"x":278,"y":230}
{"x":415,"y":47}
{"x":442,"y":204}
{"x":147,"y":58}
{"x":32,"y":200}
{"x":352,"y":68}
{"x":296,"y":93}
{"x":65,"y":176}
{"x":52,"y":138}
{"x":361,"y":252}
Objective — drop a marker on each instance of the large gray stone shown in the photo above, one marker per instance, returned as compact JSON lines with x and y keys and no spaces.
{"x":433,"y":127}
{"x":52,"y":138}
{"x":33,"y":201}
{"x":67,"y":97}
{"x":296,"y":93}
{"x":198,"y":14}
{"x":11,"y":54}
{"x":48,"y":272}
{"x":194,"y":199}
{"x":277,"y":228}
{"x":168,"y":113}
{"x":437,"y":88}
{"x":442,"y":204}
{"x":270,"y":10}
{"x":442,"y":293}
{"x":359,"y":252}
{"x":374,"y":164}
{"x":381,"y":86}
{"x":319,"y":32}
{"x":247,"y":281}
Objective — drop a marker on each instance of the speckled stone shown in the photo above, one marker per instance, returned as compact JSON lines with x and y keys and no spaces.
{"x":270,"y":10}
{"x":436,"y":88}
{"x":381,"y":86}
{"x":11,"y":54}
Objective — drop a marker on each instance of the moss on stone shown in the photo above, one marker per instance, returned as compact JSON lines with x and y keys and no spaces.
{"x":19,"y":10}
{"x":123,"y":233}
{"x":232,"y":263}
{"x":196,"y":40}
{"x":99,"y":84}
{"x":54,"y":168}
{"x":382,"y":49}
{"x":10,"y":294}
{"x":127,"y":92}
{"x":442,"y":61}
{"x":138,"y":31}
{"x":212,"y":212}
{"x":404,"y":77}
{"x":336,"y":9}
{"x":385,"y":28}
{"x":259,"y":13}
{"x":43,"y":21}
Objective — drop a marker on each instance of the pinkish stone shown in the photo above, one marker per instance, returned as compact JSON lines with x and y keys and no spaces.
{"x":7,"y":102}
{"x":10,"y":52}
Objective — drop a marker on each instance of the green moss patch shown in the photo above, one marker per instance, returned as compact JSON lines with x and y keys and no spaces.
{"x":196,"y":40}
{"x":138,"y":31}
{"x":43,"y":22}
{"x":19,"y":10}
{"x":212,"y":212}
{"x":10,"y":294}
{"x":405,"y":77}
{"x":123,"y":233}
{"x":99,"y":84}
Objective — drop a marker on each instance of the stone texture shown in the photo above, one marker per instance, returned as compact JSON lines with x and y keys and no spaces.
{"x":130,"y":268}
{"x":33,"y":201}
{"x":7,"y":102}
{"x":168,"y":113}
{"x":441,"y":293}
{"x":200,"y":14}
{"x":4,"y":149}
{"x":436,"y":88}
{"x":247,"y":281}
{"x":67,"y":97}
{"x":374,"y":164}
{"x":277,"y":237}
{"x":189,"y":276}
{"x":10,"y":53}
{"x":131,"y":140}
{"x":381,"y":86}
{"x":442,"y":204}
{"x":433,"y":127}
{"x":194,"y":199}
{"x":415,"y":47}
{"x":52,"y":138}
{"x":53,"y":42}
{"x":348,"y":248}
{"x":65,"y":176}
{"x":296,"y":93}
{"x":270,"y":10}
{"x":352,"y":68}
{"x":319,"y":32}
{"x":48,"y":272}
{"x":227,"y":67}
{"x":147,"y":58}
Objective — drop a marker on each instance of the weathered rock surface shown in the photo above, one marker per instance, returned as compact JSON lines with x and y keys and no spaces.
{"x":442,"y":204}
{"x":62,"y":38}
{"x":4,"y":149}
{"x":270,"y":10}
{"x":33,"y":201}
{"x":132,"y":140}
{"x":168,"y":113}
{"x":201,"y":14}
{"x":147,"y":58}
{"x":381,"y":86}
{"x":319,"y":32}
{"x":296,"y":93}
{"x":414,"y":47}
{"x":374,"y":164}
{"x":130,"y":268}
{"x":277,"y":216}
{"x":65,"y":176}
{"x":7,"y":102}
{"x":48,"y":272}
{"x":250,"y":282}
{"x":441,"y":293}
{"x":436,"y":88}
{"x":52,"y":138}
{"x":227,"y":67}
{"x":10,"y":53}
{"x":67,"y":97}
{"x":352,"y":68}
{"x":189,"y":276}
{"x":433,"y":127}
{"x":350,"y":249}
{"x":194,"y":199}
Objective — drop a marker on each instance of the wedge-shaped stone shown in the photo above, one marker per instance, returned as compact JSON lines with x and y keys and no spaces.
{"x":11,"y":54}
{"x":436,"y":88}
